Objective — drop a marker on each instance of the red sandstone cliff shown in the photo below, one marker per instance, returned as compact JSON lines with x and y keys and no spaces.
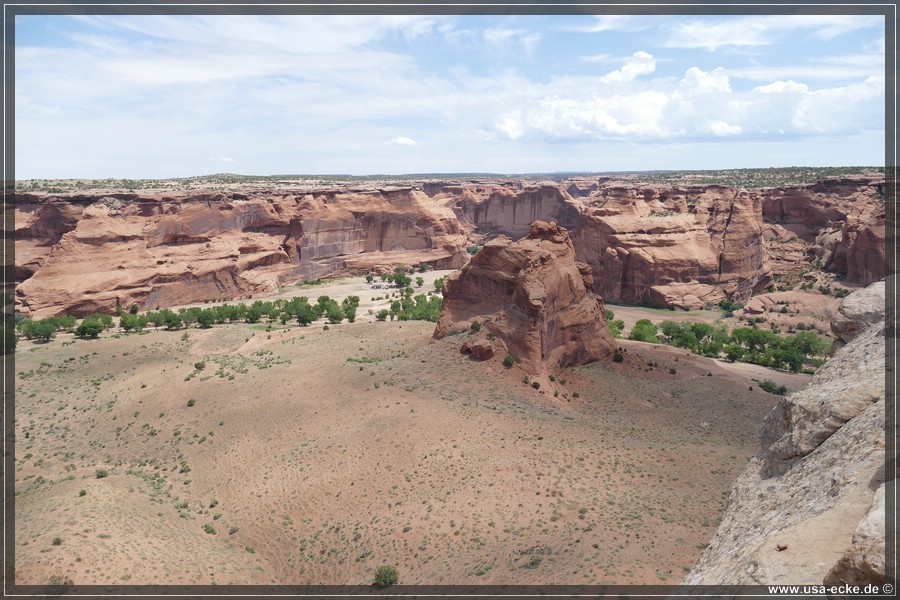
{"x":839,"y":221}
{"x":659,"y":244}
{"x":534,"y":297}
{"x":83,"y":255}
{"x":665,"y":246}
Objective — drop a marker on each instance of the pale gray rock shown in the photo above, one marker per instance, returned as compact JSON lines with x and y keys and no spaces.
{"x":805,"y":509}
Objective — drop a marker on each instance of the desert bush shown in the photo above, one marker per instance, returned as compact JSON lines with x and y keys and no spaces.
{"x":536,"y":385}
{"x":772,"y":387}
{"x":618,"y":356}
{"x":100,"y":473}
{"x":475,"y":326}
{"x":509,"y":360}
{"x":386,"y":575}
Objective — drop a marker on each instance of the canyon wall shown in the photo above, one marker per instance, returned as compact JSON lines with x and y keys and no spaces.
{"x":810,"y":507}
{"x":682,"y":247}
{"x":662,"y":245}
{"x":81,"y":255}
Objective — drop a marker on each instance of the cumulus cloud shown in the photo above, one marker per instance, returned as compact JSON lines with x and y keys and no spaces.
{"x":402,"y":141}
{"x":700,"y":104}
{"x":641,"y":63}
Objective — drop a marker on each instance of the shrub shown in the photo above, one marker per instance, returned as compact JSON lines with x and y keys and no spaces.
{"x":509,"y":360}
{"x":672,"y":371}
{"x":536,"y":385}
{"x":618,"y":356}
{"x":191,"y":402}
{"x":386,"y":575}
{"x":57,"y":541}
{"x":82,"y":493}
{"x":475,"y":326}
{"x":209,"y":529}
{"x":200,"y":365}
{"x":773,"y":388}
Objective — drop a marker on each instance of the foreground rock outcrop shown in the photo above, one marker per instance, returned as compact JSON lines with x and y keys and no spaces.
{"x":533,"y":297}
{"x":809,"y":508}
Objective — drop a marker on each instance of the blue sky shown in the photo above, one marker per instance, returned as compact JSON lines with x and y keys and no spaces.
{"x":175,"y":96}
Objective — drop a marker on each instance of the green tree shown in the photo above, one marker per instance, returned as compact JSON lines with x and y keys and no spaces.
{"x":128,"y":321}
{"x":644,"y":331}
{"x":350,"y":313}
{"x":333,"y":312}
{"x":206,"y":318}
{"x":89,"y":328}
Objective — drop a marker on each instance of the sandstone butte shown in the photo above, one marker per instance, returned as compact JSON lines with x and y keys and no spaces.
{"x":810,"y":507}
{"x":664,"y":245}
{"x":533,"y":297}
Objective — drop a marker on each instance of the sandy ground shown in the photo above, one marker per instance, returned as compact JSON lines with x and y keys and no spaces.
{"x":313,"y":456}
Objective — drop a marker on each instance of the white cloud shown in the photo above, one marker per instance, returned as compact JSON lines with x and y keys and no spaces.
{"x":641,"y":63}
{"x":720,"y":128}
{"x":318,"y":92}
{"x":627,"y":23}
{"x":225,"y":159}
{"x":402,"y":141}
{"x":699,"y":105}
{"x":502,"y":36}
{"x":755,"y":31}
{"x":698,"y":81}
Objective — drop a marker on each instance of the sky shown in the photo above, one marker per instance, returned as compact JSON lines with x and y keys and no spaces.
{"x":147,"y":97}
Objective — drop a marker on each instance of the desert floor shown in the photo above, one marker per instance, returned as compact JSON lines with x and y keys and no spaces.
{"x":305,"y":455}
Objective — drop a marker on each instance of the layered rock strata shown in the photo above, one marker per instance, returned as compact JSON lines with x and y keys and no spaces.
{"x":663,"y":245}
{"x":82,"y":255}
{"x":533,"y":297}
{"x":682,"y":247}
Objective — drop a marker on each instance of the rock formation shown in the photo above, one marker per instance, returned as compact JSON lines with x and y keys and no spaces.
{"x":809,"y":508}
{"x":839,"y":221}
{"x":510,"y":209}
{"x":664,"y":245}
{"x":533,"y":297}
{"x":81,"y":255}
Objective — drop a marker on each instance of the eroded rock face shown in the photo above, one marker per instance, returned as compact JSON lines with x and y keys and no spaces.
{"x":663,"y":246}
{"x":673,"y":246}
{"x":491,"y":209}
{"x":839,"y":221}
{"x":79,"y":257}
{"x":811,"y":490}
{"x":534,"y":297}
